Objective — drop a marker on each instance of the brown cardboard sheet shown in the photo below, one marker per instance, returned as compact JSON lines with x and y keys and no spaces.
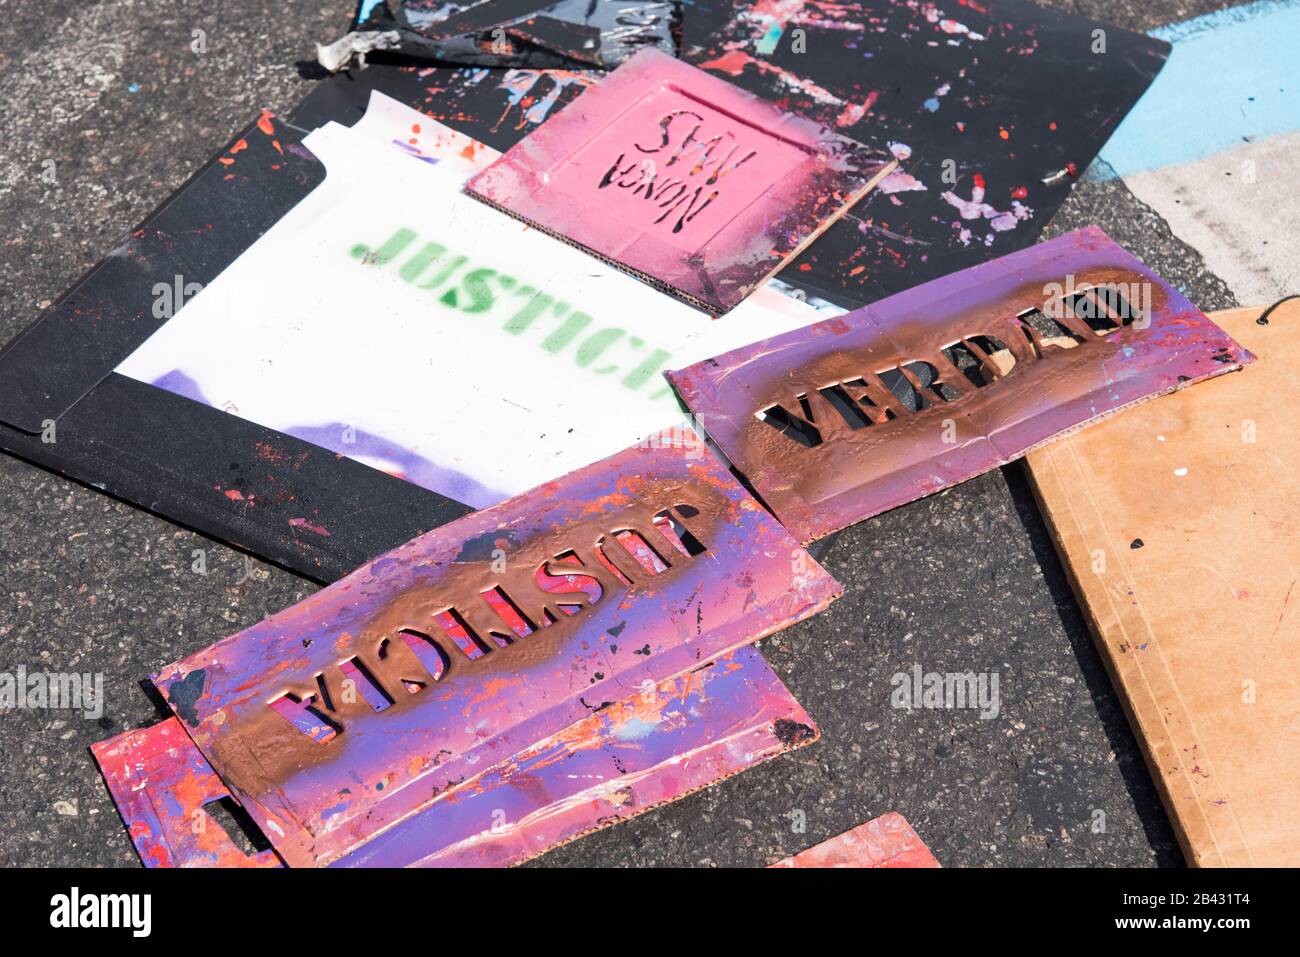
{"x":1178,"y":522}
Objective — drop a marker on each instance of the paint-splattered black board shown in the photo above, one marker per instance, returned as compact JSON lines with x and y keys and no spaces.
{"x":1003,"y":96}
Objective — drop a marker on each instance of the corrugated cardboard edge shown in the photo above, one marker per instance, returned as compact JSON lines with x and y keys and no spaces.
{"x":714,"y":309}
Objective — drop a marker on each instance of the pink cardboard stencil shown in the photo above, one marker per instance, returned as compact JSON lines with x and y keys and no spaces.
{"x":682,"y":179}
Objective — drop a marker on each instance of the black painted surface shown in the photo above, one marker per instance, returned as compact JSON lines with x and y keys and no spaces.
{"x":1001,"y":96}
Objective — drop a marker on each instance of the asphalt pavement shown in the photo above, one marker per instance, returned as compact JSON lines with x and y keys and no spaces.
{"x":114,"y":93}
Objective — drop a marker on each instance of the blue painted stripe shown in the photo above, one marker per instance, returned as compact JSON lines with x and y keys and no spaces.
{"x":1233,"y":77}
{"x":365,"y":9}
{"x":770,"y":38}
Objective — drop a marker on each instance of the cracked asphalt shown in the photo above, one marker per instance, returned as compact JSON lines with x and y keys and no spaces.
{"x":113,"y":93}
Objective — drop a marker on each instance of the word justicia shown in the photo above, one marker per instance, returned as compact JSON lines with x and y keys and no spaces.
{"x":58,"y":691}
{"x":704,"y":161}
{"x":933,"y":690}
{"x":470,"y":288}
{"x":488,"y":611}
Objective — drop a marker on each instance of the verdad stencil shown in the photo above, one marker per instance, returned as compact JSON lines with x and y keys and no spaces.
{"x":855,"y":415}
{"x":366,"y":704}
{"x":682,"y":179}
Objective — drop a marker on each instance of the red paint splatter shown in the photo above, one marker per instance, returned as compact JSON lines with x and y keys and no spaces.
{"x":264,"y":122}
{"x":1019,"y":192}
{"x":732,"y":63}
{"x":310,"y":526}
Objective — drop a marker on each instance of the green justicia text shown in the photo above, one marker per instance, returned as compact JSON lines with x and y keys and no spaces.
{"x":469,"y":289}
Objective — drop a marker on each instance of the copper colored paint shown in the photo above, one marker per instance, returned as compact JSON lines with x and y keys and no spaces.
{"x":858,"y":414}
{"x":655,"y":746}
{"x":325,"y":757}
{"x":682,"y":179}
{"x":887,"y":841}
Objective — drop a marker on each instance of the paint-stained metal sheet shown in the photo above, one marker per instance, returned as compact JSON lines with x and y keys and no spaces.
{"x":864,"y":412}
{"x":657,"y":745}
{"x":161,"y":784}
{"x":886,"y":841}
{"x":361,"y":706}
{"x":682,"y":179}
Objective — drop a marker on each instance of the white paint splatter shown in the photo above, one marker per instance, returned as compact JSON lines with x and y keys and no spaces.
{"x":976,"y":208}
